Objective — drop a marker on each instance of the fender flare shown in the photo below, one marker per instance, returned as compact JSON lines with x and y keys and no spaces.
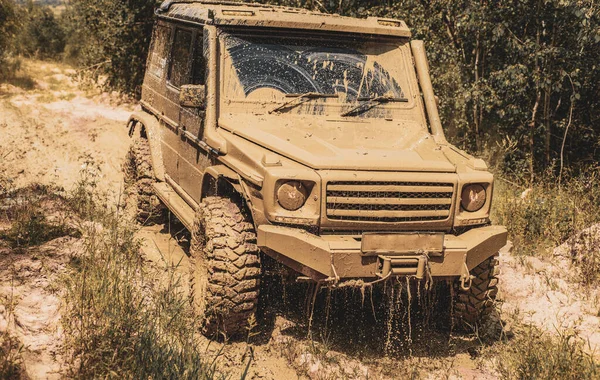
{"x":154,"y":133}
{"x":219,"y":173}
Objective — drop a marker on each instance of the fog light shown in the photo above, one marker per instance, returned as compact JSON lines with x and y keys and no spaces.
{"x":291,"y":195}
{"x":473,"y":197}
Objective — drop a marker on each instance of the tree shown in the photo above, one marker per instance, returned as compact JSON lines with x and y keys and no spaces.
{"x":8,"y":30}
{"x":41,"y":34}
{"x":111,"y":37}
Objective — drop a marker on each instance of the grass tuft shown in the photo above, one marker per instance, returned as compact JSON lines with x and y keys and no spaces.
{"x":534,"y":354}
{"x":36,"y":214}
{"x":120,"y":320}
{"x":548,"y":214}
{"x":11,"y":366}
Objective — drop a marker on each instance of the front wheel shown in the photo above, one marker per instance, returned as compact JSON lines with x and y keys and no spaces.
{"x":226,"y":267}
{"x":475,"y":306}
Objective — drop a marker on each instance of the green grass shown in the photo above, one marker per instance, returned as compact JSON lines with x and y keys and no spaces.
{"x":545,"y":215}
{"x":37,"y":215}
{"x":11,"y":366}
{"x":120,"y":321}
{"x":535,"y":354}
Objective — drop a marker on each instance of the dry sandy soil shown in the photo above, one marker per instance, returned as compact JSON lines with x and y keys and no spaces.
{"x":52,"y":130}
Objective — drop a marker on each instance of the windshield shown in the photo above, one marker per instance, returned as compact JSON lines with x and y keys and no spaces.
{"x":261,"y":69}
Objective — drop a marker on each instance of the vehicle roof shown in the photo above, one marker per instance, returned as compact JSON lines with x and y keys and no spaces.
{"x":260,"y":15}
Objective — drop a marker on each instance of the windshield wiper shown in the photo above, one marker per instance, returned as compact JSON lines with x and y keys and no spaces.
{"x":370,"y":102}
{"x":300,"y":99}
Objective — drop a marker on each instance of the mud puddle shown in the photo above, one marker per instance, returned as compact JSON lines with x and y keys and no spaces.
{"x":354,"y":333}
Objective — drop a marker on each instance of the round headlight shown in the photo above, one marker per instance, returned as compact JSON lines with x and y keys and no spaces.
{"x":291,"y":195}
{"x":473,"y":197}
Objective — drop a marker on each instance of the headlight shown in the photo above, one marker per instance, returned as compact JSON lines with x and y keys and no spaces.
{"x":473,"y":197}
{"x":291,"y":195}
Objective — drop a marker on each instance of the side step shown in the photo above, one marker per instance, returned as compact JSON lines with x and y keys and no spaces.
{"x":175,"y":203}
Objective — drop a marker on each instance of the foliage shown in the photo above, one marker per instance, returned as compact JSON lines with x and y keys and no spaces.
{"x":519,"y":74}
{"x":9,"y":26}
{"x":118,"y":321}
{"x":534,"y":354}
{"x":110,"y":37}
{"x":548,"y":213}
{"x":11,"y":363}
{"x":37,"y":215}
{"x":41,"y":34}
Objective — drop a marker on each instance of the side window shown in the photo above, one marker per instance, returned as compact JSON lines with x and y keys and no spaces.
{"x":179,"y":70}
{"x":199,"y":66}
{"x":158,"y":58}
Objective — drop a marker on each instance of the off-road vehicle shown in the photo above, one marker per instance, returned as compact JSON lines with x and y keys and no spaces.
{"x":312,"y":139}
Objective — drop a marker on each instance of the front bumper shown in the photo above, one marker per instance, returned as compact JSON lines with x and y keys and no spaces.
{"x":341,"y":256}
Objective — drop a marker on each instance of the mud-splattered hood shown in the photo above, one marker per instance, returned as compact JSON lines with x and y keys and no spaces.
{"x":344,"y":144}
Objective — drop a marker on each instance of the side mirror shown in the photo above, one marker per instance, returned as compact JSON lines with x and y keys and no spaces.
{"x":192,"y":95}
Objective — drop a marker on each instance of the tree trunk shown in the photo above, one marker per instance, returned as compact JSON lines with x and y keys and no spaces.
{"x":476,"y":102}
{"x":532,"y":137}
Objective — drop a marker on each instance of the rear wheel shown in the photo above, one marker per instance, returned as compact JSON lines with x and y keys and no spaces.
{"x":141,"y":202}
{"x":475,"y":307}
{"x":226,"y":267}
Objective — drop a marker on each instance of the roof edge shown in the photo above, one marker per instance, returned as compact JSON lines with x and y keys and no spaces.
{"x":232,"y":13}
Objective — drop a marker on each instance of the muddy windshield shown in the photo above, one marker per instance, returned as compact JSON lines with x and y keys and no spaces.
{"x":328,"y":75}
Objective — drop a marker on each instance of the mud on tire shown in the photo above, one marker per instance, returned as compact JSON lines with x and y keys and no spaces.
{"x":226,"y":267}
{"x":475,"y":308}
{"x":140,"y":199}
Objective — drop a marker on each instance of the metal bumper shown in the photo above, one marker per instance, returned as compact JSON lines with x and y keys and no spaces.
{"x":343,"y":256}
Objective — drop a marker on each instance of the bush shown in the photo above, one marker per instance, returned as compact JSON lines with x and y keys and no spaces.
{"x":110,"y":38}
{"x":41,"y":35}
{"x":8,"y":29}
{"x":548,"y":213}
{"x":534,"y":354}
{"x":118,"y":321}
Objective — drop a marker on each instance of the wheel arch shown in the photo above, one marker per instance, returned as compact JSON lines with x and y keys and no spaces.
{"x":149,"y":125}
{"x":221,"y":180}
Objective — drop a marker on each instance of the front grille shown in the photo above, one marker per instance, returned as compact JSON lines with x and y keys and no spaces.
{"x":384,"y":201}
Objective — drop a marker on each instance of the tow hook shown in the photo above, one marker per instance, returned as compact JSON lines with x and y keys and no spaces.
{"x":465,"y":278}
{"x":410,"y":266}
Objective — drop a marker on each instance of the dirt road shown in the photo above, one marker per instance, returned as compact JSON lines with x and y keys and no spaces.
{"x":52,"y":130}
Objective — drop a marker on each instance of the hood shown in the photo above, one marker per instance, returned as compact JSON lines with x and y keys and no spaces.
{"x":373,"y":144}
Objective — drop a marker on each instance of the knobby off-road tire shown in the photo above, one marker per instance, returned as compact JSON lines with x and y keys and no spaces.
{"x":475,"y":308}
{"x":140,"y":200}
{"x":226,"y":268}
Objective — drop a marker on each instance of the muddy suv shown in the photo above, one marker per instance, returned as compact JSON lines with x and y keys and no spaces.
{"x":310,"y":139}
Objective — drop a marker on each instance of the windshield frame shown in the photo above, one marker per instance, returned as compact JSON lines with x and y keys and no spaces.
{"x":404,"y":75}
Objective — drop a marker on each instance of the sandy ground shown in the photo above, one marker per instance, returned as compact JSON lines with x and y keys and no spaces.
{"x":50,"y":132}
{"x":49,"y":139}
{"x":547,"y":295}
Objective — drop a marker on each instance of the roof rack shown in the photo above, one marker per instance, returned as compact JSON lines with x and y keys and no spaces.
{"x":164,"y":7}
{"x":233,"y":13}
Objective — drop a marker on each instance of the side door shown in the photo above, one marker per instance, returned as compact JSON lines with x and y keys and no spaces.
{"x":194,"y":159}
{"x":187,"y":66}
{"x":179,"y":66}
{"x":154,"y":90}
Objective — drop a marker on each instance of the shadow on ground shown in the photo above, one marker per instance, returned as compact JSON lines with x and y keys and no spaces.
{"x":383,"y":320}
